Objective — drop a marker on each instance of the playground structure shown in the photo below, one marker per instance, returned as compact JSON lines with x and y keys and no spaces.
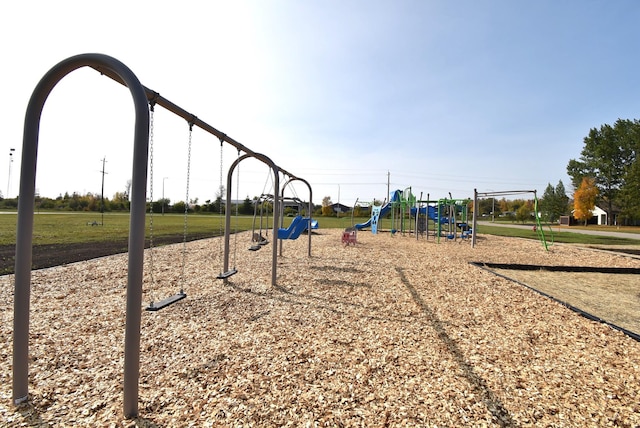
{"x":410,"y":214}
{"x":144,"y":99}
{"x":449,"y":216}
{"x":350,"y":236}
{"x":538,"y":224}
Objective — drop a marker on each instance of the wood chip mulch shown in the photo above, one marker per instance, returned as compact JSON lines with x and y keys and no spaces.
{"x":391,"y":331}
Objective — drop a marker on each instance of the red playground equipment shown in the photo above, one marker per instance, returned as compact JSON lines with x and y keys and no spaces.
{"x":349,"y":236}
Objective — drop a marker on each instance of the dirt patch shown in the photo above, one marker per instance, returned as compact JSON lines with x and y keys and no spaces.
{"x":45,"y":256}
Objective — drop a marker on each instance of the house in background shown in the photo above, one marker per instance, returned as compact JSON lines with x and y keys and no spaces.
{"x":340,"y":208}
{"x":599,"y":218}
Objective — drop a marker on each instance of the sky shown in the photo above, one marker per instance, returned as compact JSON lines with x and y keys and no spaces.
{"x":354,"y":96}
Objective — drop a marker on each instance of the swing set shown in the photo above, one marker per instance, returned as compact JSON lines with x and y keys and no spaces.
{"x":144,"y":101}
{"x":538,"y":226}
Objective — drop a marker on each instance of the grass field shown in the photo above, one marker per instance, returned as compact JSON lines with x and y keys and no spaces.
{"x":78,"y":227}
{"x":563,"y":237}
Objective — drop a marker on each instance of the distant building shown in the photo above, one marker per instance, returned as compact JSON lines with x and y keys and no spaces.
{"x":340,"y":208}
{"x":599,"y":217}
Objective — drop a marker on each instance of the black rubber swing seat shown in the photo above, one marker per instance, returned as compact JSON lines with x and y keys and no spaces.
{"x":227,"y":274}
{"x":156,"y":306}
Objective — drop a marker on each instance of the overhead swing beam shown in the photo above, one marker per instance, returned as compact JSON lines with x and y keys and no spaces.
{"x":189,"y":117}
{"x":193,"y":119}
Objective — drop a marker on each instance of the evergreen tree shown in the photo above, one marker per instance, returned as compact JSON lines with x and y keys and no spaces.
{"x":247,"y":206}
{"x":630,"y":197}
{"x":554,"y":203}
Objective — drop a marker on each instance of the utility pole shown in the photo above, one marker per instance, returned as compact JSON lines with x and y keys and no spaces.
{"x":163,"y":178}
{"x":389,"y":185}
{"x":104,"y":160}
{"x":10,"y":163}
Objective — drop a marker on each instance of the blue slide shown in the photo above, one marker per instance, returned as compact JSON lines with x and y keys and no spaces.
{"x":383,"y":211}
{"x":297,"y":226}
{"x":314,"y":225}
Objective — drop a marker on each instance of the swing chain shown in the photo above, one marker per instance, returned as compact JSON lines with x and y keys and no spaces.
{"x":186,"y":208}
{"x":220,"y":205}
{"x":235,"y":234}
{"x":151,"y":126}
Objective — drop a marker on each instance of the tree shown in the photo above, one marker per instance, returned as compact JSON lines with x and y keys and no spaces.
{"x":584,"y":200}
{"x":246,"y":207}
{"x":629,"y":198}
{"x":178,"y":207}
{"x":120,"y":201}
{"x":561,"y":202}
{"x":127,"y":189}
{"x":486,"y":205}
{"x":504,"y":205}
{"x":523,"y":213}
{"x":554,"y":203}
{"x":218,"y":206}
{"x":607,"y":155}
{"x":327,"y":211}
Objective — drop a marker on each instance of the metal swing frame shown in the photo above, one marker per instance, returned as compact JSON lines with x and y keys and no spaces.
{"x":119,"y":72}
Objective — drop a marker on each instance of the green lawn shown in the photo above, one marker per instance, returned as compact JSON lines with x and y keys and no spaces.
{"x":76,"y":227}
{"x":564,"y":236}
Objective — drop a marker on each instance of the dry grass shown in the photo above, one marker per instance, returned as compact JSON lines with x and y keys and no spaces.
{"x":389,"y":332}
{"x":615,"y":298}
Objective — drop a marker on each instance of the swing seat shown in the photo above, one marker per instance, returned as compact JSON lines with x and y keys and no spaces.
{"x":227,"y":274}
{"x":254,"y":247}
{"x":156,"y":306}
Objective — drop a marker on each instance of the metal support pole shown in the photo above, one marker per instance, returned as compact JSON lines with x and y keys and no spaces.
{"x":474,"y":226}
{"x":284,"y":186}
{"x":24,"y":238}
{"x":276,"y":212}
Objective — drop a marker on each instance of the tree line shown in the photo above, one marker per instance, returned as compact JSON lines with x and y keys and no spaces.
{"x":91,"y":202}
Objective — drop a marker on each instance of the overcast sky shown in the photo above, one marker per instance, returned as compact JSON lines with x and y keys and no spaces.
{"x":443,"y":96}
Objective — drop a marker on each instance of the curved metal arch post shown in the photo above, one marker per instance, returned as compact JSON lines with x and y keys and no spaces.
{"x":284,"y":186}
{"x":24,"y":238}
{"x":276,"y":210}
